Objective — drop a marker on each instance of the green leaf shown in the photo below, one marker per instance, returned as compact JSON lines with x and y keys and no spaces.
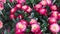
{"x":6,"y":32}
{"x":44,"y":29}
{"x":32,"y":1}
{"x":27,"y":30}
{"x":12,"y":31}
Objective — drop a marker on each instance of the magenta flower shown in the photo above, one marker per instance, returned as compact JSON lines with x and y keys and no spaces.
{"x":11,"y":0}
{"x":52,"y":20}
{"x":1,"y":6}
{"x":33,"y":21}
{"x":35,"y":28}
{"x":1,"y":24}
{"x":54,"y":14}
{"x":20,"y":27}
{"x":4,"y":1}
{"x":24,"y":22}
{"x":21,"y":1}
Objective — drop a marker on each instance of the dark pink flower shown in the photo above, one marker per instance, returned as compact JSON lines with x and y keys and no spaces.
{"x":42,"y":11}
{"x":12,"y":16}
{"x":53,"y":7}
{"x":24,"y":22}
{"x":52,"y":20}
{"x":38,"y":6}
{"x":1,"y":6}
{"x":43,"y":2}
{"x":35,"y":28}
{"x":4,"y":1}
{"x":1,"y":24}
{"x":27,"y":8}
{"x":13,"y":10}
{"x":54,"y":14}
{"x":20,"y":16}
{"x":21,"y":1}
{"x":19,"y":6}
{"x":11,"y":0}
{"x":49,"y":2}
{"x":58,"y":15}
{"x":20,"y":27}
{"x":33,"y":21}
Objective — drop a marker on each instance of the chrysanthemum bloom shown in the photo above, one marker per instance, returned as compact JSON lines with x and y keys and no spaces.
{"x":23,"y":22}
{"x":54,"y":14}
{"x":1,"y":24}
{"x":29,"y":9}
{"x":38,"y":6}
{"x":21,"y":1}
{"x":12,"y":16}
{"x":35,"y":28}
{"x":52,"y":20}
{"x":13,"y":10}
{"x":54,"y":28}
{"x":53,"y":7}
{"x":33,"y":21}
{"x":1,"y":6}
{"x":20,"y":27}
{"x":19,"y":6}
{"x":26,"y":8}
{"x":42,"y":11}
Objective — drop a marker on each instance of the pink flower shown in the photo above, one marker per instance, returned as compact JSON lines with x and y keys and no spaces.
{"x":42,"y":11}
{"x":27,"y":8}
{"x":4,"y":1}
{"x":33,"y":21}
{"x":43,"y":2}
{"x":1,"y":6}
{"x":35,"y":28}
{"x":54,"y":28}
{"x":13,"y":10}
{"x":54,"y":14}
{"x":11,"y":0}
{"x":24,"y":7}
{"x":19,"y":33}
{"x":52,"y":20}
{"x":20,"y":16}
{"x":38,"y":6}
{"x":1,"y":24}
{"x":24,"y":22}
{"x":20,"y":27}
{"x":53,"y":7}
{"x":49,"y":2}
{"x":19,"y":6}
{"x":12,"y":16}
{"x":21,"y":1}
{"x":39,"y":32}
{"x":58,"y":15}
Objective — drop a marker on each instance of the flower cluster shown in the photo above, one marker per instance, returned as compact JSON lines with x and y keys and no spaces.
{"x":40,"y":8}
{"x":21,"y":27}
{"x":26,"y":8}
